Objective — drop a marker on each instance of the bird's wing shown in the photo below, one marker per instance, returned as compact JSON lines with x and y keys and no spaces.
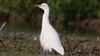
{"x":55,"y":40}
{"x":50,"y":39}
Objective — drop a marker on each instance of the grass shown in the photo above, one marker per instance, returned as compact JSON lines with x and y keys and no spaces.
{"x":27,"y":46}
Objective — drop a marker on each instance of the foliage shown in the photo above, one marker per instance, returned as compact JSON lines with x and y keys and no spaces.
{"x":62,"y":11}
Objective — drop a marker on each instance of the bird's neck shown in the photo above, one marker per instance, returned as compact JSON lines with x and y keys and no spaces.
{"x":45,"y":20}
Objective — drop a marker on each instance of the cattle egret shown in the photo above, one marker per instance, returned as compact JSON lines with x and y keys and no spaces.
{"x":49,"y":38}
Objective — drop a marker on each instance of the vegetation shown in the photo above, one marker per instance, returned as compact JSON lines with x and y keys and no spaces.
{"x":22,"y":13}
{"x":29,"y":46}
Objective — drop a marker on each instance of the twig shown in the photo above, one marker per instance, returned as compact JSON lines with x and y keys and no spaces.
{"x":2,"y":26}
{"x":70,"y":52}
{"x":1,"y":41}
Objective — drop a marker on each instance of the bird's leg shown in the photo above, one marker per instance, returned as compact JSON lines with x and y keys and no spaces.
{"x":45,"y":53}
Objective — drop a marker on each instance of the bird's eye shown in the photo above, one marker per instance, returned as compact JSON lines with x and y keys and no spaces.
{"x":43,"y":5}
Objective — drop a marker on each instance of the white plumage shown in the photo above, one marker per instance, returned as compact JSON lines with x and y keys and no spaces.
{"x":49,"y":37}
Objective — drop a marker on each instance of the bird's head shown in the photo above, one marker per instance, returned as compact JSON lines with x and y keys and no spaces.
{"x":43,"y":6}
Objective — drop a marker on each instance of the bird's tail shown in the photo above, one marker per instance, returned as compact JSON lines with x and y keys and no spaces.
{"x":60,"y":50}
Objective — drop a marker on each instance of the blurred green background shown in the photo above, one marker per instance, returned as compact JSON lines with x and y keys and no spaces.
{"x":65,"y":15}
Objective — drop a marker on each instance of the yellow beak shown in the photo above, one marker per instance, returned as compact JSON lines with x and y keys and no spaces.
{"x":37,"y":5}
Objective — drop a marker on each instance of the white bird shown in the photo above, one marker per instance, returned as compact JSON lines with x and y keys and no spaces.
{"x":49,"y":37}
